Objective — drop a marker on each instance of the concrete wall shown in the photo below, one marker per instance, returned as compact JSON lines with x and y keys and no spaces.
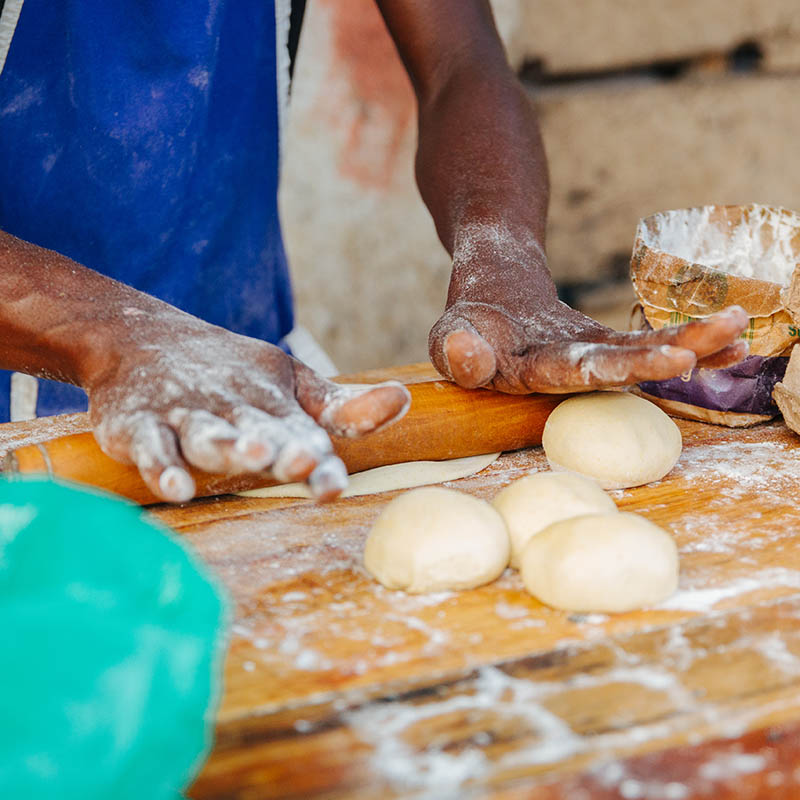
{"x":641,"y":110}
{"x":591,"y":35}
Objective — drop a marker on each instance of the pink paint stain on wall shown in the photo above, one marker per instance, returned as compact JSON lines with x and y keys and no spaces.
{"x":377,"y":104}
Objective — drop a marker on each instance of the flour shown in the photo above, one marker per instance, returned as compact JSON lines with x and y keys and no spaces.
{"x":723,"y":536}
{"x":769,"y":469}
{"x":694,"y":598}
{"x":514,"y":246}
{"x":632,"y":789}
{"x":518,"y":719}
{"x":508,"y":611}
{"x":775,"y":650}
{"x":41,"y":430}
{"x":497,"y":694}
{"x":436,"y":638}
{"x":730,"y":764}
{"x":494,"y":700}
{"x":294,"y":597}
{"x":760,"y":246}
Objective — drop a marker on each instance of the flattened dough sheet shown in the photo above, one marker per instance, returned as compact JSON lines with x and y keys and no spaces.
{"x":394,"y":476}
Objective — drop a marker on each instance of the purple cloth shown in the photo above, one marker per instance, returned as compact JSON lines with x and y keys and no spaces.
{"x":744,"y":388}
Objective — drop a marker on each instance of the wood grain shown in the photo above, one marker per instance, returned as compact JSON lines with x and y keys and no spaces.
{"x":336,"y":687}
{"x":567,"y":706}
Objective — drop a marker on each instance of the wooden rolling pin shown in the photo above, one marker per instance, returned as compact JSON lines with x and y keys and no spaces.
{"x":444,"y":421}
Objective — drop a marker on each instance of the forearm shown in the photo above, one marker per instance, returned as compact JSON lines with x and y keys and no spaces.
{"x":481,"y":159}
{"x":63,"y":321}
{"x":482,"y":171}
{"x":481,"y":165}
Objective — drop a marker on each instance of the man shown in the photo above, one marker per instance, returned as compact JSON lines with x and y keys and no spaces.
{"x":142,"y":141}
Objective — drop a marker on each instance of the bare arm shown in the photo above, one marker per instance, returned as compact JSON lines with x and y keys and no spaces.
{"x":166,"y":388}
{"x":482,"y":171}
{"x":54,"y":313}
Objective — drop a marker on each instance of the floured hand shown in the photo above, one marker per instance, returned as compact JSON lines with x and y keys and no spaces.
{"x":229,"y":404}
{"x":504,"y":328}
{"x":167,"y":390}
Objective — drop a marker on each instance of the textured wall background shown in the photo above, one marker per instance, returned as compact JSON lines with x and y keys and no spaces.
{"x":644,"y":106}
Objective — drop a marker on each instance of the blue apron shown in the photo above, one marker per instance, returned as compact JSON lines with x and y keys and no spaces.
{"x":142,"y":140}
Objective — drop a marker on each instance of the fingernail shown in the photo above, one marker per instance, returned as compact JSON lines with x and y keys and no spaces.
{"x":477,"y":364}
{"x":329,"y":479}
{"x":176,"y":485}
{"x":294,"y":462}
{"x":673,"y":352}
{"x":255,"y":454}
{"x":446,"y":347}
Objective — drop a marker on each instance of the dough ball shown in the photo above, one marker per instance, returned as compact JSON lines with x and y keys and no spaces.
{"x":601,"y":562}
{"x":616,"y":438}
{"x":435,"y":539}
{"x":532,"y":503}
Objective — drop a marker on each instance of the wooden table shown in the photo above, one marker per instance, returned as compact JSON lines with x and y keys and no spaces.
{"x":338,"y":688}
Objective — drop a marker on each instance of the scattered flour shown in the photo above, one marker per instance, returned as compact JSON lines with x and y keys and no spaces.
{"x":725,"y":766}
{"x":633,"y":789}
{"x":508,"y":611}
{"x":496,"y":699}
{"x":441,"y":767}
{"x":293,"y":597}
{"x":775,"y":650}
{"x":758,"y":247}
{"x":694,"y":598}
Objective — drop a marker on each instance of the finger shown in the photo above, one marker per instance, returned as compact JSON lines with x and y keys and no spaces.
{"x":214,"y":445}
{"x":470,"y":358}
{"x":726,"y":357}
{"x":702,"y":336}
{"x":154,"y":450}
{"x":582,"y":367}
{"x":349,"y":410}
{"x":328,"y":480}
{"x":297,"y":443}
{"x":460,"y":353}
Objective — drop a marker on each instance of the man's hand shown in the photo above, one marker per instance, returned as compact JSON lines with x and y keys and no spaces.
{"x":505,"y":328}
{"x":558,"y":349}
{"x":167,"y":389}
{"x":229,"y":404}
{"x":482,"y":171}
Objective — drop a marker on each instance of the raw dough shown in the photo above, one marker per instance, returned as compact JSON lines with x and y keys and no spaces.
{"x":616,"y":438}
{"x":532,"y":503}
{"x":395,"y":476}
{"x":601,"y":562}
{"x":435,"y":539}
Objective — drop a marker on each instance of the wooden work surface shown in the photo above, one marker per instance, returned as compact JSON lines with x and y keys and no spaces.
{"x":338,"y":688}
